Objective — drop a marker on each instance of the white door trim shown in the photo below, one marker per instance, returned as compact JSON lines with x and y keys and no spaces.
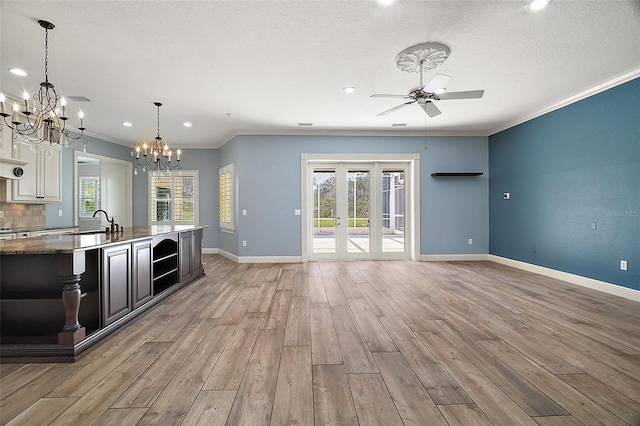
{"x":128,"y":179}
{"x":412,"y":192}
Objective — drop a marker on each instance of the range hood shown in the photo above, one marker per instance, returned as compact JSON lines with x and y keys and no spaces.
{"x":10,"y":168}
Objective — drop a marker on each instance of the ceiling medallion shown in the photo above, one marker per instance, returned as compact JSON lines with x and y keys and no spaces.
{"x":424,"y":56}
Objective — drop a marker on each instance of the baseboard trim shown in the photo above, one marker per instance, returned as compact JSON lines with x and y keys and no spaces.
{"x":270,"y":259}
{"x":603,"y":286}
{"x":228,"y":255}
{"x":253,"y":259}
{"x":452,"y":257}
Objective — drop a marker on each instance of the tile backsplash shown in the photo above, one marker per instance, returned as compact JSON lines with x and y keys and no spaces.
{"x":22,"y":216}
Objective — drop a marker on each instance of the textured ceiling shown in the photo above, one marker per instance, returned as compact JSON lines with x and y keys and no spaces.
{"x":234,"y":67}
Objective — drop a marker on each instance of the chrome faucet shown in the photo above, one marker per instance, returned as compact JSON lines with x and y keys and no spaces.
{"x":114,"y":227}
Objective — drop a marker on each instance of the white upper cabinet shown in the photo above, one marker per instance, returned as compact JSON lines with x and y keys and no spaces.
{"x":42,"y":178}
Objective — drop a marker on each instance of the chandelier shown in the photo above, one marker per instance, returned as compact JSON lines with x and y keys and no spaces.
{"x":156,"y":155}
{"x":43,"y":118}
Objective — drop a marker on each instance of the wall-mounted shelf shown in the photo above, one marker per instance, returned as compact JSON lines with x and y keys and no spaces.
{"x":444,"y":174}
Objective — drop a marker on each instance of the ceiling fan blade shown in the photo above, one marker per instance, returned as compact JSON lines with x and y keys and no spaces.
{"x":437,"y":82}
{"x":383,"y":95}
{"x":395,"y":108}
{"x":471,"y":94}
{"x":430,"y":109}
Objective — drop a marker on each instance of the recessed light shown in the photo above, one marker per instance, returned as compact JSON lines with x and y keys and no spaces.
{"x":127,"y":124}
{"x":305,"y":124}
{"x":349,"y":89}
{"x":18,"y":71}
{"x":384,"y":2}
{"x":535,"y":5}
{"x":186,"y":124}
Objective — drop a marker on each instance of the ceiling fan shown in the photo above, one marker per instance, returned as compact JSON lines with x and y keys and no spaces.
{"x":429,"y":56}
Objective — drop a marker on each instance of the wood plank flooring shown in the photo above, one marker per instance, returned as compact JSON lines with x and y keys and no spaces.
{"x":351,"y":343}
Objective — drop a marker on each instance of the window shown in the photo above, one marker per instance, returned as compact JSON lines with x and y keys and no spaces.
{"x":173,"y":199}
{"x":225,"y":177}
{"x":89,"y":195}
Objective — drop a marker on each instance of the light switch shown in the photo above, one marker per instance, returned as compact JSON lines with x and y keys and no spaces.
{"x":506,"y":195}
{"x":297,"y":212}
{"x":244,"y":212}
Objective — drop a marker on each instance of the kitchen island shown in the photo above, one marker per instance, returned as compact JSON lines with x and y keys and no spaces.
{"x":61,"y":294}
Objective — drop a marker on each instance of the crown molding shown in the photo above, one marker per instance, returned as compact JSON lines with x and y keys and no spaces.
{"x":334,"y":132}
{"x":624,"y":78}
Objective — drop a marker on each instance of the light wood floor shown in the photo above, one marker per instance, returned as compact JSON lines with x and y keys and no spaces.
{"x":369,"y":343}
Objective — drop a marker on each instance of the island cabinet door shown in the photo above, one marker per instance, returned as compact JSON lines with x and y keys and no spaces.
{"x":197,"y":252}
{"x":141,"y":273}
{"x":116,"y":283}
{"x":185,"y":254}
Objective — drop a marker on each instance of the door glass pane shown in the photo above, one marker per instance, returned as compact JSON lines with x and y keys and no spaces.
{"x":324,"y":211}
{"x":358,"y":211}
{"x":392,"y":211}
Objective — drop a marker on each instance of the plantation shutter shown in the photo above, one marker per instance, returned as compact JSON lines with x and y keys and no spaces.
{"x":89,"y":195}
{"x":225,"y":180}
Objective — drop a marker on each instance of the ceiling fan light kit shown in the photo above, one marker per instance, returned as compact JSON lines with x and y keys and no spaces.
{"x":416,"y":59}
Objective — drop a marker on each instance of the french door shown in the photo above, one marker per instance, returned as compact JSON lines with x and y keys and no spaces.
{"x":358,"y":210}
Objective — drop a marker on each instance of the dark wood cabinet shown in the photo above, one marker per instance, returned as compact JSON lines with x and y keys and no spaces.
{"x":184,"y":252}
{"x":56,"y":304}
{"x":141,"y":285}
{"x":190,"y":253}
{"x":198,"y":269}
{"x":116,"y":283}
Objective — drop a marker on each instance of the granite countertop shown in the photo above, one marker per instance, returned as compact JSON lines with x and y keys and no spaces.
{"x":68,"y":243}
{"x":40,"y":228}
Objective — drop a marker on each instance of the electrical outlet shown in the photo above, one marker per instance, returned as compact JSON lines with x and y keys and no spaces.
{"x":297,"y":212}
{"x":60,"y":213}
{"x":623,"y":265}
{"x":470,"y":240}
{"x":244,"y":212}
{"x":244,"y":243}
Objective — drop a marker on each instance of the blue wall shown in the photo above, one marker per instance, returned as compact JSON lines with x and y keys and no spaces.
{"x":567,"y":172}
{"x":268,"y":186}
